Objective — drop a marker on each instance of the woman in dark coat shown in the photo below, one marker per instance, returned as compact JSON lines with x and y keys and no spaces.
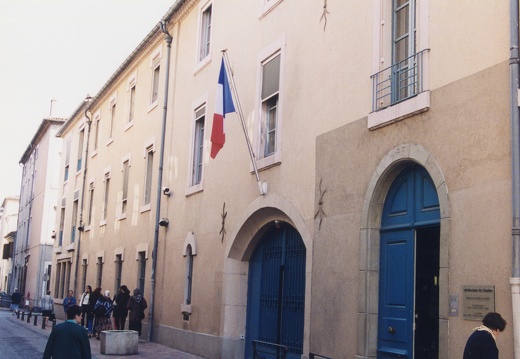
{"x":482,"y":343}
{"x":136,"y":305}
{"x":94,"y":296}
{"x":102,"y":312}
{"x":120,"y":307}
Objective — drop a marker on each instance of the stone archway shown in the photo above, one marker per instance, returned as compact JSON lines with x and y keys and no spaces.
{"x":387,"y":170}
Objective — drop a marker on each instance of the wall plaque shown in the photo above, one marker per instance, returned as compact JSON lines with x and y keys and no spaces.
{"x":477,"y":301}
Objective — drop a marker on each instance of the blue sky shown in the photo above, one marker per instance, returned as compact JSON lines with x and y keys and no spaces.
{"x":63,"y":50}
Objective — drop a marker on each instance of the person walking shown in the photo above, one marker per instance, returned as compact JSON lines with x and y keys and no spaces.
{"x":16,"y":299}
{"x":136,"y":305}
{"x":481,"y":343}
{"x":93,"y":298}
{"x":120,"y":307}
{"x":47,"y":305}
{"x":102,"y":312}
{"x":68,"y":339}
{"x":85,"y":306}
{"x":69,"y":300}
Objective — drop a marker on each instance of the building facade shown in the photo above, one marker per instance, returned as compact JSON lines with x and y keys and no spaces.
{"x":8,"y":222}
{"x":380,"y":222}
{"x":32,"y":262}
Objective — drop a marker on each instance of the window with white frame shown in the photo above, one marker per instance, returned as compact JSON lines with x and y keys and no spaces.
{"x":126,"y":173}
{"x":112,"y":114}
{"x":399,"y":61}
{"x":269,"y":137}
{"x":106,"y":194}
{"x":148,"y":175}
{"x":99,"y":275}
{"x":155,"y":66}
{"x":74,"y":221}
{"x":141,"y":270}
{"x":90,"y":203}
{"x":198,"y":146}
{"x":205,"y":30}
{"x":62,"y":223}
{"x":131,"y":98}
{"x":119,"y":271}
{"x":67,"y":160}
{"x":80,"y":148}
{"x":97,"y":122}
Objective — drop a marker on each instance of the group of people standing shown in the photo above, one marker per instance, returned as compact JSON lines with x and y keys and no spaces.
{"x":104,"y":313}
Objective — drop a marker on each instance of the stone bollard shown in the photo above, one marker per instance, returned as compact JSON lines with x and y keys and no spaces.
{"x":122,"y":342}
{"x":29,"y":317}
{"x":23,"y":316}
{"x":35,"y":320}
{"x":17,"y":314}
{"x":44,"y":319}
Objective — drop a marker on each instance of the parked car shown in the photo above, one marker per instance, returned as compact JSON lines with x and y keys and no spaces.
{"x":5,"y":299}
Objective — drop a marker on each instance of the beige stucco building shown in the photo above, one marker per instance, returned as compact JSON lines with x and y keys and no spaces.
{"x":382,"y":136}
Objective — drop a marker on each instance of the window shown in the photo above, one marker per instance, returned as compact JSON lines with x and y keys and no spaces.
{"x":67,"y":159}
{"x":119,"y":271}
{"x":99,"y":276}
{"x":74,"y":221}
{"x":198,"y":146}
{"x":84,"y":277}
{"x":105,"y":200}
{"x":131,"y":104}
{"x":205,"y":32}
{"x":62,"y":225}
{"x":96,"y":131}
{"x":141,"y":268}
{"x":148,"y":176}
{"x":90,"y":203}
{"x":270,"y":99}
{"x":399,"y":61}
{"x":124,"y":199}
{"x":155,"y":66}
{"x":80,"y":149}
{"x":112,"y":110}
{"x":189,"y":275}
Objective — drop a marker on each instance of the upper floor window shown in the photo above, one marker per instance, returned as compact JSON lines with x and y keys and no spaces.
{"x":198,"y":146}
{"x":399,"y":61}
{"x":67,"y":159}
{"x":148,"y":175}
{"x":105,"y":199}
{"x":269,"y":104}
{"x":80,"y":148}
{"x":112,"y":110}
{"x":97,"y":122}
{"x":90,"y":203}
{"x":131,"y":99}
{"x":155,"y":66}
{"x":205,"y":31}
{"x":124,"y":199}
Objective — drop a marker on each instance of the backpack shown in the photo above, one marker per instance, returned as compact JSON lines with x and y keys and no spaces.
{"x":102,"y":308}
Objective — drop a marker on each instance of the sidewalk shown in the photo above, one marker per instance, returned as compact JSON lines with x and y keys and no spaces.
{"x":145,"y":349}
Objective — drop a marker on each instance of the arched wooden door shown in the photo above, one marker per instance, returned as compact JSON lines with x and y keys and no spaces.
{"x":276,"y":293}
{"x":409,"y":268}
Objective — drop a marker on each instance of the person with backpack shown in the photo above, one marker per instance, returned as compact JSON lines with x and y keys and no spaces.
{"x":136,"y":305}
{"x":102,"y":311}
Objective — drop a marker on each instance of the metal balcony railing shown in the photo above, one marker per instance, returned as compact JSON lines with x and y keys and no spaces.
{"x":398,"y":82}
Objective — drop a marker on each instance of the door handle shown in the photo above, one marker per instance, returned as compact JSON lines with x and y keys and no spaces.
{"x":391,"y":330}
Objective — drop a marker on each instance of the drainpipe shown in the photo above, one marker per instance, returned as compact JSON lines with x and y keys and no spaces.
{"x":168,"y":38}
{"x":515,"y":175}
{"x":81,"y":226}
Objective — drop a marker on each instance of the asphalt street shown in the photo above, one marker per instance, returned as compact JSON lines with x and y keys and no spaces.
{"x":19,"y":339}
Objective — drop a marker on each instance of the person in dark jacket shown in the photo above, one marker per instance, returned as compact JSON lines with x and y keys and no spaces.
{"x":120,"y":307}
{"x":16,"y":299}
{"x":68,"y":339}
{"x":136,"y":305}
{"x":482,"y":342}
{"x":94,"y":296}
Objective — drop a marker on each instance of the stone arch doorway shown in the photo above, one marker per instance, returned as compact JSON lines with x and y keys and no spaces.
{"x":387,"y":171}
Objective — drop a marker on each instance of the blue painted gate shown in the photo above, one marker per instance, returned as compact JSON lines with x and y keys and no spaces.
{"x":276,"y":292}
{"x":411,"y":207}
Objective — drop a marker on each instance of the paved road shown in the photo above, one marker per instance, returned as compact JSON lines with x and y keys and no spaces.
{"x":19,"y":339}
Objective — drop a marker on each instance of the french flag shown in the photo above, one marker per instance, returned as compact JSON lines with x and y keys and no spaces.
{"x":223,"y":105}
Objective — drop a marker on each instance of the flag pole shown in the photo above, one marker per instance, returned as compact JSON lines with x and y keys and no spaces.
{"x":231,"y":81}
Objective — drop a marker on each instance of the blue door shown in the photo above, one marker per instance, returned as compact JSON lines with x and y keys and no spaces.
{"x":409,"y":267}
{"x":276,"y":294}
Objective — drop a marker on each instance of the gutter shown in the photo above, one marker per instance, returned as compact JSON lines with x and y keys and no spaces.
{"x":515,"y":175}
